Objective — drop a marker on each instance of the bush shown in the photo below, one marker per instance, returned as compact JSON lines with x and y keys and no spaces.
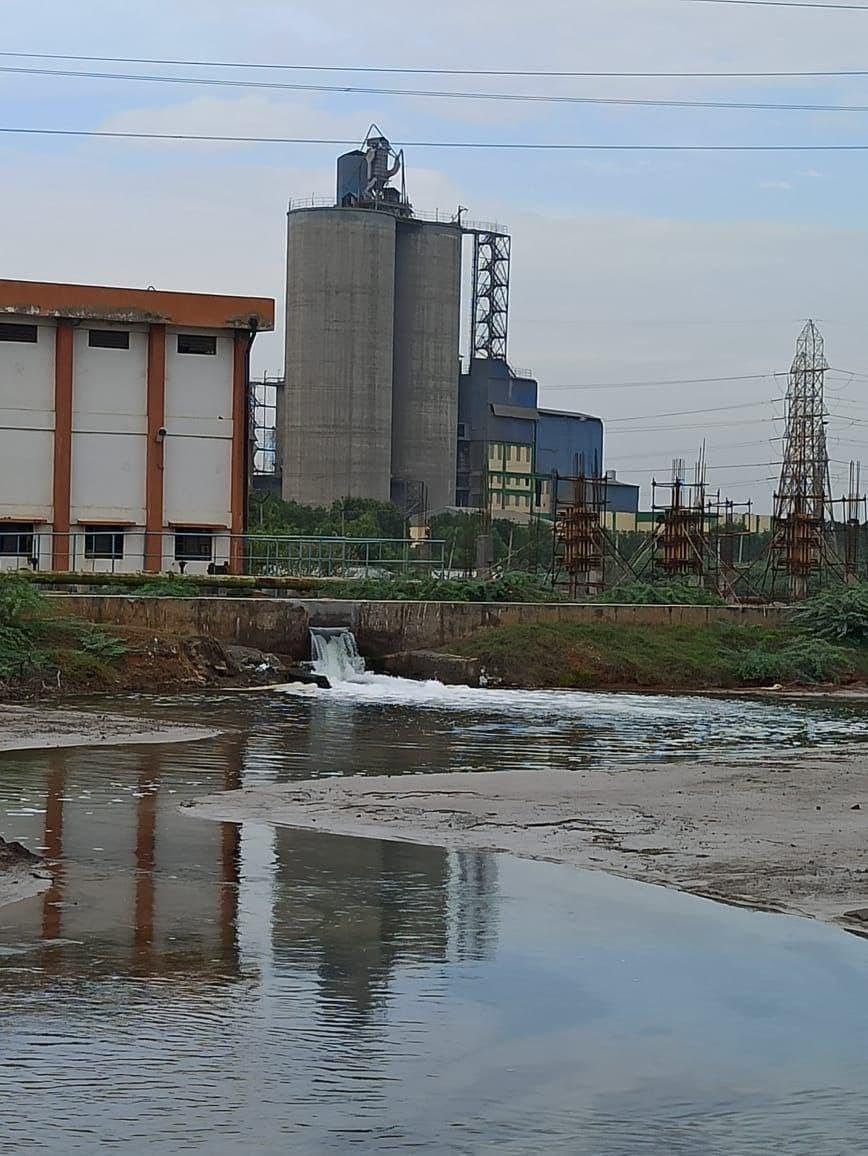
{"x":840,"y":614}
{"x":663,"y":593}
{"x":179,"y":587}
{"x":19,"y":599}
{"x":35,"y":640}
{"x":508,"y":588}
{"x":800,"y":660}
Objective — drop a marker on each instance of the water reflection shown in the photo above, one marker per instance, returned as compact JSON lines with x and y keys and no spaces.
{"x":145,"y":890}
{"x":138,"y":888}
{"x":185,"y":986}
{"x":356,"y":909}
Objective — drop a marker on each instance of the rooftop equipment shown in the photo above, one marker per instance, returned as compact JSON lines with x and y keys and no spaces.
{"x":364,"y":175}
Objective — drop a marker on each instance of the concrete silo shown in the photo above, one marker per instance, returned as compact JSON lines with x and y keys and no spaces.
{"x":373,"y":311}
{"x":340,"y":307}
{"x":426,"y":364}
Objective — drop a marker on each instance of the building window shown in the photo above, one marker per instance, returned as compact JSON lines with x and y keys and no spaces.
{"x":108,"y":338}
{"x":9,"y":331}
{"x":16,"y":539}
{"x":196,"y":343}
{"x":103,"y":542}
{"x":194,"y":545}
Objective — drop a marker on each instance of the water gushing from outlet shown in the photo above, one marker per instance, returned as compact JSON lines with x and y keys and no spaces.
{"x":335,"y":654}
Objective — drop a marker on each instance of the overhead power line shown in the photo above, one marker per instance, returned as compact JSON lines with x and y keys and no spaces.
{"x":439,"y":94}
{"x":735,"y":466}
{"x":686,"y":412}
{"x":373,"y":70}
{"x":658,"y":453}
{"x":784,"y":4}
{"x":693,"y":425}
{"x":665,"y":381}
{"x":509,"y":146}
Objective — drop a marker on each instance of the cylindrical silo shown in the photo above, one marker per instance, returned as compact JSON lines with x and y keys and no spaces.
{"x":426,"y":365}
{"x":340,"y":302}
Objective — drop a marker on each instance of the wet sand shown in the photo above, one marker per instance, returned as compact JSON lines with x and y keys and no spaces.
{"x":22,"y":883}
{"x":25,"y":728}
{"x":789,"y":834}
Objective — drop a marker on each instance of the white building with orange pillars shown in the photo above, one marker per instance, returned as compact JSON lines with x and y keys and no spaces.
{"x":124,"y":435}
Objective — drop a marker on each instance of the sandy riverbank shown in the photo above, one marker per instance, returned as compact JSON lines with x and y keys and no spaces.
{"x":22,"y":883}
{"x":783,"y":835}
{"x":22,"y":874}
{"x":36,"y":728}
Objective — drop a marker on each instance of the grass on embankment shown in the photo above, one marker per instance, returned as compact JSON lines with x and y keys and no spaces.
{"x":40,"y":647}
{"x":674,"y":657}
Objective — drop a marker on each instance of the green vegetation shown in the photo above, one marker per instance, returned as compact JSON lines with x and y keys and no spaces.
{"x":837,"y":614}
{"x":349,"y":518}
{"x":514,"y":546}
{"x":507,"y":588}
{"x":610,"y":654}
{"x":671,"y":593}
{"x":38,"y":643}
{"x":170,"y":586}
{"x":798,"y":660}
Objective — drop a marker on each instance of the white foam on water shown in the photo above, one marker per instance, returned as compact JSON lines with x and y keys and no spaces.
{"x":677,"y":721}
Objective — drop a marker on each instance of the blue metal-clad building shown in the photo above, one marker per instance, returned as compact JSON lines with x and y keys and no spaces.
{"x":569,"y":443}
{"x":509,"y":448}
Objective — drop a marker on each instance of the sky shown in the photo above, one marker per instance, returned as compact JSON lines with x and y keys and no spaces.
{"x":628,"y":266}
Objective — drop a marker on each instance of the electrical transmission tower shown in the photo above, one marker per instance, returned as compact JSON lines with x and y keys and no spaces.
{"x":802,"y":543}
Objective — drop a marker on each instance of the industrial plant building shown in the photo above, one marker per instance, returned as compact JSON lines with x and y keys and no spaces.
{"x":374,"y":402}
{"x":124,"y":436}
{"x":511,"y":451}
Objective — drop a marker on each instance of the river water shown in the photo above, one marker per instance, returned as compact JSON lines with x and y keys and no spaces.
{"x":188,"y":986}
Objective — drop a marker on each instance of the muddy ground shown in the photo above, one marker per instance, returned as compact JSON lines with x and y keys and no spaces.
{"x":21,"y":873}
{"x":789,"y":835}
{"x":36,"y":727}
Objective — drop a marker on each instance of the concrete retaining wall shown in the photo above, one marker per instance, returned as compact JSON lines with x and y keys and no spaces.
{"x":281,"y":624}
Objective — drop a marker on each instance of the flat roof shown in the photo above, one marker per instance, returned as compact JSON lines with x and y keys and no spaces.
{"x":568,"y":413}
{"x":157,"y":306}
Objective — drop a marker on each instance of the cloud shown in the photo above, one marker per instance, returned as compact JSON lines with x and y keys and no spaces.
{"x":598,"y":295}
{"x":247,"y":115}
{"x":604,"y":298}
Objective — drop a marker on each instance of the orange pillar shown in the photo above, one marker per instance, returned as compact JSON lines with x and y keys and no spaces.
{"x":146,"y":857}
{"x":240,"y":434}
{"x":156,"y":404}
{"x":63,"y":371}
{"x":230,"y":856}
{"x":53,"y":840}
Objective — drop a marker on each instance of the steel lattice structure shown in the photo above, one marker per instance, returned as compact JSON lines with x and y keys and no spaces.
{"x":803,"y":516}
{"x":491,"y":267}
{"x":579,"y":541}
{"x":855,"y":514}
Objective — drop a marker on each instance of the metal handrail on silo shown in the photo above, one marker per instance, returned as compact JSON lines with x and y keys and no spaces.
{"x":432,"y":216}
